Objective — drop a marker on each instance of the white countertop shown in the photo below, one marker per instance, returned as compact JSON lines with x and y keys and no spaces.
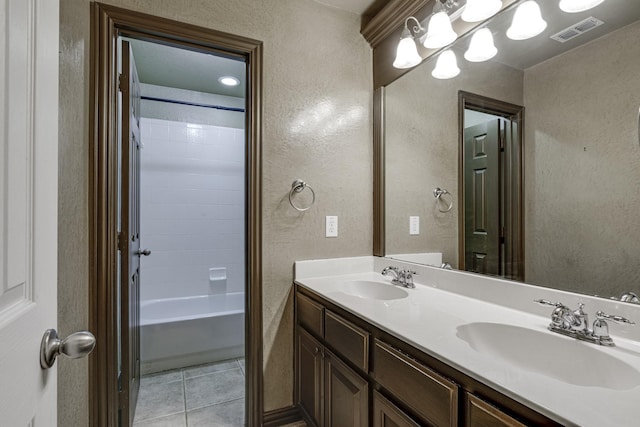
{"x":429,"y":317}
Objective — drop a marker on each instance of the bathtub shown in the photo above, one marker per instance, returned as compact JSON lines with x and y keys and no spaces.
{"x":179,"y":332}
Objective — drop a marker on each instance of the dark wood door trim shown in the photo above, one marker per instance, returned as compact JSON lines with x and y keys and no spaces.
{"x":514,"y":203}
{"x":107,"y":23}
{"x":379,"y":178}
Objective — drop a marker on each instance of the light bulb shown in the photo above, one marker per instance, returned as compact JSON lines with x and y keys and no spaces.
{"x":407,"y":53}
{"x":575,"y":6}
{"x":527,"y":22}
{"x":481,"y":47}
{"x":439,"y":32}
{"x":447,"y":66}
{"x":479,"y":10}
{"x":229,"y":81}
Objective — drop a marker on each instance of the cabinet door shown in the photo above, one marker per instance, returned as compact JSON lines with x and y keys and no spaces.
{"x":309,"y":376}
{"x":482,"y":414}
{"x":346,"y":395}
{"x":386,"y":414}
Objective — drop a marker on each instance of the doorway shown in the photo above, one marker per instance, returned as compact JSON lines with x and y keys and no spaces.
{"x":117,"y":243}
{"x":490,"y":182}
{"x":190,"y":250}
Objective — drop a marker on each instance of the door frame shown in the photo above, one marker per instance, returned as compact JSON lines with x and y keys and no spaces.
{"x":513,"y":177}
{"x":107,"y":23}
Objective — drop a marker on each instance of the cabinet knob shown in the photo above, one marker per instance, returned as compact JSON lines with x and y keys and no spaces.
{"x":316,"y":350}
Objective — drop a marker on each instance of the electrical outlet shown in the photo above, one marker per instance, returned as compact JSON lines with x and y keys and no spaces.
{"x":414,"y":225}
{"x":332,"y":226}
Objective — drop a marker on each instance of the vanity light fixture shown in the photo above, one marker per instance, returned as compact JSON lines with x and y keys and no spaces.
{"x":479,"y":10}
{"x":407,"y":53}
{"x":439,"y":31}
{"x":481,"y":47}
{"x":527,"y":22}
{"x":447,"y":66}
{"x":229,"y":81}
{"x":575,"y":6}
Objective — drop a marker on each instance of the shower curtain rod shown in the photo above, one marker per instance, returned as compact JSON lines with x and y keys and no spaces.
{"x":193,"y":104}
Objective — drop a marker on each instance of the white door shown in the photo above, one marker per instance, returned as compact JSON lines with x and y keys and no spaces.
{"x":28,"y":207}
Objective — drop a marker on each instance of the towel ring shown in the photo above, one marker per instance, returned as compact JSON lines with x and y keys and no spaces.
{"x":438,"y":193}
{"x":298,"y":186}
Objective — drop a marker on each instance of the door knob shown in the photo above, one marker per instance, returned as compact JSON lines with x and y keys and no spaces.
{"x":74,"y":346}
{"x":145,"y":252}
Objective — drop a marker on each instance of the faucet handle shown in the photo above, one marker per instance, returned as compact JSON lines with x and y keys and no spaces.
{"x":546,"y":302}
{"x":618,"y":319}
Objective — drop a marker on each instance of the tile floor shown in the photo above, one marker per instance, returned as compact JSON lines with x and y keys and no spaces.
{"x":205,"y":395}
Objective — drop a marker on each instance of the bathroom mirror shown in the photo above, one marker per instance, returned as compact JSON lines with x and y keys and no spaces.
{"x":580,"y":158}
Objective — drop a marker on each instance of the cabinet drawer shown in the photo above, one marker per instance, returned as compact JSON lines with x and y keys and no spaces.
{"x":347,"y":339}
{"x":429,"y":394}
{"x":482,"y":414}
{"x":310,"y":315}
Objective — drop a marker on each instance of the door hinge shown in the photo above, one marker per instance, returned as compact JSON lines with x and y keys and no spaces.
{"x":502,"y":234}
{"x":123,"y":84}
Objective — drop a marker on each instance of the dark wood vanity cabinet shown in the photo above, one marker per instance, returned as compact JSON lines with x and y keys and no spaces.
{"x":482,"y":414}
{"x":329,"y":392}
{"x":350,"y":373}
{"x":431,"y":396}
{"x":309,"y":375}
{"x":346,"y":395}
{"x":386,"y":414}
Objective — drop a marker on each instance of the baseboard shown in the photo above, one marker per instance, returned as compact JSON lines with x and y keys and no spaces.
{"x":282,"y":416}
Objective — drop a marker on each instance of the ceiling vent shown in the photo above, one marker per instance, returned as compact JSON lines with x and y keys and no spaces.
{"x":577,"y":29}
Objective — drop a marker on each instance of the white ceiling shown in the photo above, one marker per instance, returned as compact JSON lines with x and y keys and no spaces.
{"x":356,"y":6}
{"x":185,"y":69}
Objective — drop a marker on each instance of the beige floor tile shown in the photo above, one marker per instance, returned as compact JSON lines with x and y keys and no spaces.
{"x":214,"y":388}
{"x":157,"y":400}
{"x":228,"y":414}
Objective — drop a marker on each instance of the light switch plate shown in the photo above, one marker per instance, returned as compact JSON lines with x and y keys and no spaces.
{"x":332,"y":226}
{"x":414,"y":225}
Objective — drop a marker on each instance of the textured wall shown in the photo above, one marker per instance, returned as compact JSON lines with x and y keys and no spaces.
{"x":421,"y":136}
{"x":582,"y":233}
{"x":73,"y":209}
{"x":317,"y":127}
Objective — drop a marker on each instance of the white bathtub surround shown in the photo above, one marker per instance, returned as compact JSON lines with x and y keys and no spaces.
{"x":192,"y":207}
{"x":179,"y":332}
{"x":433,"y":319}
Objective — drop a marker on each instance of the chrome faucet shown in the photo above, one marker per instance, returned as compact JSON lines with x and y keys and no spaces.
{"x":401,"y":277}
{"x":391,"y":269}
{"x":575,"y":323}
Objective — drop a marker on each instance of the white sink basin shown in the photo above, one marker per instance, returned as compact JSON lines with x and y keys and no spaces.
{"x":373,"y":290}
{"x":551,"y":355}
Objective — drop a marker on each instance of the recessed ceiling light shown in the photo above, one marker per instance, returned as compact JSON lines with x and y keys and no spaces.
{"x":229,"y":81}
